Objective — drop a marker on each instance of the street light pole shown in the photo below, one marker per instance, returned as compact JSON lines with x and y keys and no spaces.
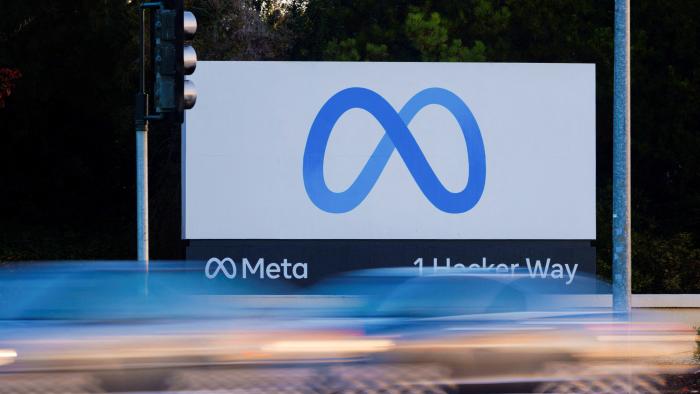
{"x":621,"y":226}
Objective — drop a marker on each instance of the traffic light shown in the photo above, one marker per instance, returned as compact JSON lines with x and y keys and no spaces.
{"x":174,"y":58}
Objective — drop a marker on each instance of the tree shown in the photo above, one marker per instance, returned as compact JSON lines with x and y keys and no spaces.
{"x":242,"y":29}
{"x":66,"y":161}
{"x":429,"y":35}
{"x":8,"y":78}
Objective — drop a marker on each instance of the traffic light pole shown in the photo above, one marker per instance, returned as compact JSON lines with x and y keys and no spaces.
{"x":171,"y":58}
{"x":141,"y":123}
{"x":142,"y":191}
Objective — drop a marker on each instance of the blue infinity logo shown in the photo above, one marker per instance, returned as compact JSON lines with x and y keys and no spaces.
{"x":397,"y":137}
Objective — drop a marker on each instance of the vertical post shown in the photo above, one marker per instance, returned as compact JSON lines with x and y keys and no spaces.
{"x":142,"y":191}
{"x":141,"y":123}
{"x":621,"y":226}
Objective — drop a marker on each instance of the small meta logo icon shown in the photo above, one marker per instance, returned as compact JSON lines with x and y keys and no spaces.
{"x":397,"y":137}
{"x":226,"y":266}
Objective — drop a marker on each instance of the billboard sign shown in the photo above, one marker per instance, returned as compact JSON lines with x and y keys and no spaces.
{"x":445,"y":151}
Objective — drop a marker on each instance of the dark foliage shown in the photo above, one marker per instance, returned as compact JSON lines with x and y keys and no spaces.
{"x":67,"y":141}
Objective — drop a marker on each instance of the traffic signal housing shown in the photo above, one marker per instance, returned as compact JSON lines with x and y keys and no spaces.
{"x":174,"y":58}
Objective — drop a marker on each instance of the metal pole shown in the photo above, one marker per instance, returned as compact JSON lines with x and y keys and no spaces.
{"x":141,"y":122}
{"x":142,"y":191}
{"x":621,"y":226}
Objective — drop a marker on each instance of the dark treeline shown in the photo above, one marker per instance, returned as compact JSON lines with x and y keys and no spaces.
{"x":68,"y":73}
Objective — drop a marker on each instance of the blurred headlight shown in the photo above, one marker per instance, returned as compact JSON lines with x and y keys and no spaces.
{"x":330,"y":346}
{"x":7,"y":356}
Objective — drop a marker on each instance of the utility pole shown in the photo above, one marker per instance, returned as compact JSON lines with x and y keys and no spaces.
{"x":171,"y":58}
{"x":621,"y":225}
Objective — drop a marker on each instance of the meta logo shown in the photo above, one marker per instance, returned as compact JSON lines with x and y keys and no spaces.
{"x":261,"y":269}
{"x":397,"y":137}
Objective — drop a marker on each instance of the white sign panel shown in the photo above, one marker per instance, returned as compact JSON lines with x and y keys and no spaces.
{"x":307,"y":150}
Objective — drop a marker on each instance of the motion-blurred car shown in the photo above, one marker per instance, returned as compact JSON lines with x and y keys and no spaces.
{"x":117,"y":327}
{"x":493,"y":331}
{"x":120,"y":326}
